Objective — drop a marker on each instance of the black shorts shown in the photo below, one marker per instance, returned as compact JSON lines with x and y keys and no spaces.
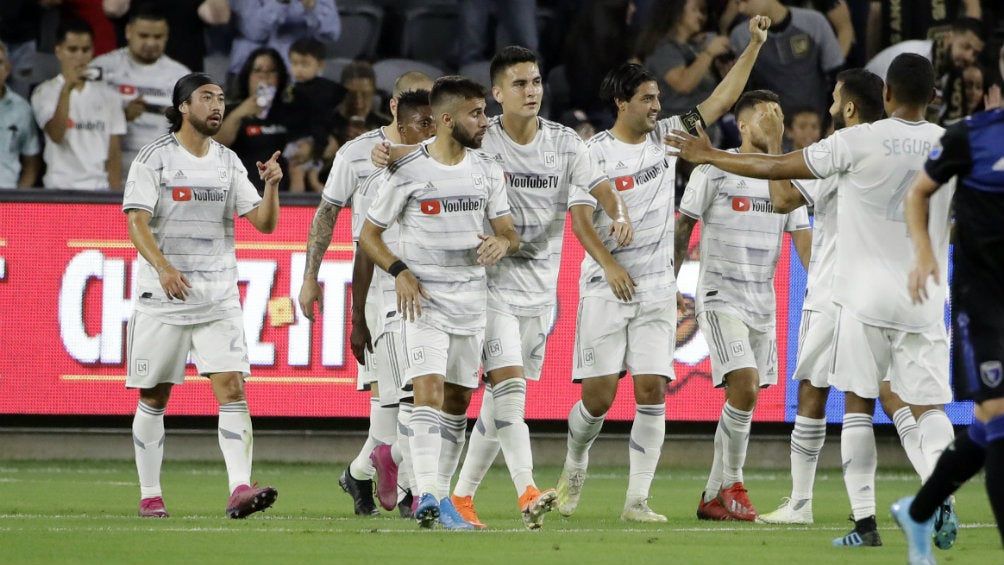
{"x":977,"y":341}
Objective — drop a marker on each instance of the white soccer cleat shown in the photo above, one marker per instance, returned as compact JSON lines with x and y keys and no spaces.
{"x":790,"y":512}
{"x":569,"y":490}
{"x":640,"y":512}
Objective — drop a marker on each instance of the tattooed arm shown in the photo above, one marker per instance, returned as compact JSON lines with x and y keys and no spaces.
{"x":321,"y":229}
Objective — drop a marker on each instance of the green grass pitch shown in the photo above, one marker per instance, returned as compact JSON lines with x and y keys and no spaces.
{"x":55,"y":512}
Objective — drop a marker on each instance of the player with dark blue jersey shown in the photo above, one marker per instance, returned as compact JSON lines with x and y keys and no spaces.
{"x":971,"y":150}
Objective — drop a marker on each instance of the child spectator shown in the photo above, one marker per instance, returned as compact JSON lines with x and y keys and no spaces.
{"x":803,"y":129}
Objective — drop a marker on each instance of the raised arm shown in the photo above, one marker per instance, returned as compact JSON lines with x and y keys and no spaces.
{"x":214,"y":12}
{"x":698,"y":150}
{"x":266,"y":216}
{"x":727,"y":92}
{"x":617,"y":277}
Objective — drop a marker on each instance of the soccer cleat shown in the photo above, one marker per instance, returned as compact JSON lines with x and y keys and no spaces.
{"x":386,"y":472}
{"x":569,"y":490}
{"x":427,"y":511}
{"x":465,"y":507}
{"x":152,"y":508}
{"x":407,"y":504}
{"x":450,"y":518}
{"x":640,"y":512}
{"x":533,"y":504}
{"x":247,"y":500}
{"x":918,"y":534}
{"x":864,"y":534}
{"x":736,"y":502}
{"x":946,"y":525}
{"x":790,"y":512}
{"x":711,"y":510}
{"x":361,"y":493}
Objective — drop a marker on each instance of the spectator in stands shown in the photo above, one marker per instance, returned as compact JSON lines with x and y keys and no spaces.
{"x":92,"y":12}
{"x":19,"y":159}
{"x":356,"y":113}
{"x":800,"y":56}
{"x":144,"y":77}
{"x":803,"y":128}
{"x":674,"y":47}
{"x":81,"y":116}
{"x":278,"y":23}
{"x":839,"y":16}
{"x":518,"y":17}
{"x":310,"y":96}
{"x":974,"y":84}
{"x":187,"y":20}
{"x":254,"y":122}
{"x":893,"y":21}
{"x":20,"y":23}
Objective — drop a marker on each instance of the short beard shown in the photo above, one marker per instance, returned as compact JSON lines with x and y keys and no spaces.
{"x":839,"y":122}
{"x":203,"y":127}
{"x":469,"y":141}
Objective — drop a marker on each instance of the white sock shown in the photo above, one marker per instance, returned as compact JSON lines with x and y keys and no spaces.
{"x":361,"y":468}
{"x":236,"y":442}
{"x":648,"y":433}
{"x":426,"y":445}
{"x":735,"y":440}
{"x":401,"y":451}
{"x":583,"y":428}
{"x":936,"y":433}
{"x":909,"y":436}
{"x":858,"y":453}
{"x":482,"y":448}
{"x":453,"y":429}
{"x":383,"y":424}
{"x":806,"y":442}
{"x":148,"y":441}
{"x":714,"y":483}
{"x":513,"y":434}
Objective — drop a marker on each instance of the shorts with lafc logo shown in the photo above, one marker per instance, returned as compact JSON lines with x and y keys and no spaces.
{"x":612,"y":337}
{"x":815,"y":342}
{"x":433,"y":351}
{"x":388,"y":361}
{"x":365,"y":376}
{"x":515,"y":341}
{"x":734,"y":345}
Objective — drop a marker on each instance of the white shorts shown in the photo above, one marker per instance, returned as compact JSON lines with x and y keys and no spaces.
{"x":365,"y":377}
{"x":916,"y":363}
{"x":515,"y":341}
{"x":388,"y":361}
{"x":611,"y":337}
{"x":734,"y":345}
{"x":432,"y":351}
{"x":815,"y":342}
{"x":157,"y":352}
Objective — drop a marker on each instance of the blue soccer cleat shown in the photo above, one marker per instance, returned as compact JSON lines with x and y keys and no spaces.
{"x":450,"y":518}
{"x":946,"y":525}
{"x":428,"y":511}
{"x":918,"y":534}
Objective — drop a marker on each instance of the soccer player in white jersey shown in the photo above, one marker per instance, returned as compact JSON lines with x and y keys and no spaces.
{"x":741,"y":239}
{"x":181,"y":196}
{"x":857,"y":99}
{"x":415,"y":124}
{"x":143,"y":76}
{"x":352,"y":165}
{"x":442,"y":194}
{"x":80,"y":116}
{"x":631,"y":327}
{"x":875,"y":164}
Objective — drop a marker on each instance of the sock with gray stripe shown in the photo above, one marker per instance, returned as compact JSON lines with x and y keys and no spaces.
{"x":648,"y":433}
{"x":453,"y":430}
{"x":735,"y":439}
{"x":936,"y":434}
{"x":806,"y":442}
{"x":513,"y":434}
{"x":236,"y":442}
{"x":860,"y":460}
{"x":583,"y":428}
{"x":148,"y":443}
{"x":909,"y":436}
{"x":382,"y":430}
{"x":482,"y":449}
{"x":426,"y":445}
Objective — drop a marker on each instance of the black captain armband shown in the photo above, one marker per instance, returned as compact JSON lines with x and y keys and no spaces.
{"x":396,"y":268}
{"x":690,"y":120}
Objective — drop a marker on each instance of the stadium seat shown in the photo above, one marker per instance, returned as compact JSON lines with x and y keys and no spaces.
{"x":479,"y":71}
{"x":361,"y":26}
{"x":388,"y":70}
{"x":430,"y":34}
{"x":333,"y":67}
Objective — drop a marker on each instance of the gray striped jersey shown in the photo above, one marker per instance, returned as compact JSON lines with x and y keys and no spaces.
{"x":538,"y":177}
{"x":645,"y":177}
{"x":192,"y":201}
{"x":821,"y":194}
{"x":382,"y":292}
{"x":441,"y":210}
{"x":352,"y":165}
{"x":741,"y":239}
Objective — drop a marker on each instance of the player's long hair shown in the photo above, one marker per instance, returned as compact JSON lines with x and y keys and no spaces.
{"x":622,"y":83}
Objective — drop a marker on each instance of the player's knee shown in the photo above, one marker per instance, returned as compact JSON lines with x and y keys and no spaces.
{"x":228,"y":387}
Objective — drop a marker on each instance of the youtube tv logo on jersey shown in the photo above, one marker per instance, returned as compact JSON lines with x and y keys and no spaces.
{"x":740,"y":204}
{"x":182,"y":194}
{"x":624,"y":183}
{"x":431,"y":207}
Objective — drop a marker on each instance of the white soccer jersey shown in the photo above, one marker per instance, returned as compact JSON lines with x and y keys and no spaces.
{"x":876,"y":164}
{"x":537,"y":178}
{"x":154,"y":82}
{"x":95,"y":115}
{"x":821,"y":194}
{"x":646,"y":178}
{"x":382,"y":291}
{"x":741,"y":238}
{"x":192,"y":201}
{"x":353,"y":164}
{"x":442,"y":209}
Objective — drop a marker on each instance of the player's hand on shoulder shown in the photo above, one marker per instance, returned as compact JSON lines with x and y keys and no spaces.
{"x":380,"y":154}
{"x":696,"y":149}
{"x":620,"y":282}
{"x":758,"y":29}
